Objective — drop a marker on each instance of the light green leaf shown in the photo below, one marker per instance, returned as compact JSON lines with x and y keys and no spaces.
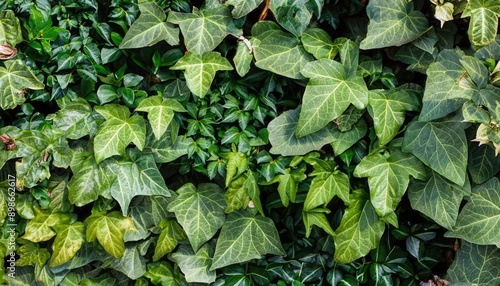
{"x":324,"y":187}
{"x":132,"y":263}
{"x":318,"y":218}
{"x":68,"y":241}
{"x":438,"y":199}
{"x":318,"y":43}
{"x":490,"y":51}
{"x":475,"y":265}
{"x":360,"y":229}
{"x":200,"y":70}
{"x":328,"y":94}
{"x":253,"y":191}
{"x":31,"y":254}
{"x":483,"y":25}
{"x":117,"y":132}
{"x":389,"y":111}
{"x":388,"y":178}
{"x":10,"y":28}
{"x":244,"y":237}
{"x":171,"y":234}
{"x":164,"y":151}
{"x":40,"y":227}
{"x":160,"y":112}
{"x":195,"y":266}
{"x":293,"y":15}
{"x":443,"y":91}
{"x":109,"y":229}
{"x":392,"y":23}
{"x":243,"y":7}
{"x":15,"y":79}
{"x":282,"y":135}
{"x":479,"y":219}
{"x":440,"y":145}
{"x":199,"y":211}
{"x":476,"y":69}
{"x":236,"y":195}
{"x":203,"y":30}
{"x":344,"y":140}
{"x":277,"y":51}
{"x":243,"y":58}
{"x":75,"y":118}
{"x":150,"y":28}
{"x":237,"y":163}
{"x":162,"y":273}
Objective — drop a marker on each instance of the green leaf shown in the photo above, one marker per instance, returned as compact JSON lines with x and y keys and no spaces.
{"x":244,"y":237}
{"x":344,"y":140}
{"x":328,"y":94}
{"x":293,"y":15}
{"x":162,"y":273}
{"x":483,"y":164}
{"x":195,"y":266}
{"x":392,"y":23}
{"x":75,"y":119}
{"x":237,"y":163}
{"x":389,"y":112}
{"x":478,"y":220}
{"x":388,"y":178}
{"x":277,"y":51}
{"x":171,"y":234}
{"x":476,"y":69}
{"x":236,"y":195}
{"x":444,"y":12}
{"x":40,"y":227}
{"x":483,"y":25}
{"x":243,"y":7}
{"x":164,"y":151}
{"x":203,"y":30}
{"x":200,"y":70}
{"x":117,"y":132}
{"x":360,"y":229}
{"x":476,"y":265}
{"x":31,"y":254}
{"x":15,"y":79}
{"x":284,"y":142}
{"x":68,"y":241}
{"x":318,"y":218}
{"x":10,"y":29}
{"x":132,"y":263}
{"x":160,"y":112}
{"x":324,"y":187}
{"x":440,"y":145}
{"x":243,"y":58}
{"x":150,"y":28}
{"x":318,"y":43}
{"x":109,"y":229}
{"x":443,"y":91}
{"x":199,"y":211}
{"x":438,"y":199}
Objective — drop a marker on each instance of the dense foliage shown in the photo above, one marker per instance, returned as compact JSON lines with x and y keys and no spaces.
{"x":250,"y":142}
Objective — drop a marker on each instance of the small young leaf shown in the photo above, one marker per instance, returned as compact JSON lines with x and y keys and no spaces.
{"x":160,"y":112}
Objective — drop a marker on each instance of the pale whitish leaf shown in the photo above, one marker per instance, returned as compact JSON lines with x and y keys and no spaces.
{"x":475,"y":265}
{"x":69,"y":239}
{"x":440,"y":145}
{"x":483,"y":164}
{"x":479,"y":219}
{"x":444,"y":12}
{"x":243,"y":58}
{"x":324,"y":187}
{"x":344,"y":140}
{"x":293,"y":15}
{"x":282,"y":135}
{"x":388,"y":111}
{"x":243,"y":7}
{"x":388,"y":178}
{"x":15,"y":79}
{"x":203,"y":30}
{"x":10,"y":28}
{"x":438,"y":199}
{"x":150,"y":28}
{"x":199,"y":71}
{"x":171,"y":234}
{"x":359,"y":231}
{"x":328,"y":94}
{"x":318,"y":43}
{"x":117,"y":132}
{"x":483,"y":24}
{"x":392,"y":23}
{"x":245,"y":236}
{"x":199,"y":211}
{"x":443,"y":93}
{"x":195,"y":266}
{"x":160,"y":112}
{"x":278,"y":51}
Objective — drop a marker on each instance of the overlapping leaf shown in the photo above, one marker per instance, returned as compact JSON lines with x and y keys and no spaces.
{"x":171,"y":234}
{"x":483,"y":24}
{"x":325,"y":186}
{"x":160,"y":112}
{"x":10,"y":28}
{"x":75,"y":119}
{"x":132,"y":263}
{"x":15,"y":79}
{"x":40,"y":227}
{"x":69,"y":239}
{"x":195,"y":266}
{"x":243,"y":7}
{"x":293,"y":15}
{"x":318,"y":43}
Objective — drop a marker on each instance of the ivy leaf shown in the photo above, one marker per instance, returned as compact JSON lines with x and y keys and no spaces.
{"x":389,"y":111}
{"x":324,"y":187}
{"x":109,"y":229}
{"x":360,"y":229}
{"x":293,"y":15}
{"x":318,"y":43}
{"x":200,"y":212}
{"x":199,"y":71}
{"x":483,"y":164}
{"x":236,"y":195}
{"x":438,"y":191}
{"x":195,"y":266}
{"x":10,"y":28}
{"x":203,"y":30}
{"x":277,"y":51}
{"x":160,"y":112}
{"x":443,"y":92}
{"x":392,"y":23}
{"x":244,"y":237}
{"x":476,"y":70}
{"x":40,"y":227}
{"x":117,"y":132}
{"x":479,"y":218}
{"x":171,"y":234}
{"x":476,"y":265}
{"x":243,"y":58}
{"x":69,"y":239}
{"x":31,"y":254}
{"x":162,"y":273}
{"x":132,"y":263}
{"x":444,"y":12}
{"x":15,"y":79}
{"x":164,"y":151}
{"x":75,"y":118}
{"x":150,"y":28}
{"x":388,"y":178}
{"x":237,"y":163}
{"x":318,"y":218}
{"x":440,"y":145}
{"x":344,"y":140}
{"x":243,"y":7}
{"x":483,"y":24}
{"x":328,"y":94}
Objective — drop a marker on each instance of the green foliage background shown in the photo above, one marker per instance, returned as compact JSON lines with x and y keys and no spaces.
{"x":331,"y":142}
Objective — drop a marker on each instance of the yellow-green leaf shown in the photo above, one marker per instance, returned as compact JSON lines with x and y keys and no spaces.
{"x":15,"y":79}
{"x":68,"y":241}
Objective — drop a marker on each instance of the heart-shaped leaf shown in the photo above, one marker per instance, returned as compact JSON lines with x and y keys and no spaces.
{"x":69,"y":239}
{"x":15,"y":79}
